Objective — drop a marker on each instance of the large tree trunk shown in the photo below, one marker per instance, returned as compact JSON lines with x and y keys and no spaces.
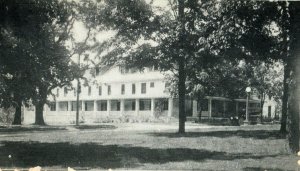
{"x":181,"y":69}
{"x":293,"y":107}
{"x":294,"y":100}
{"x":294,"y":121}
{"x":285,"y":99}
{"x":181,"y":93}
{"x":287,"y":66}
{"x":39,"y":118}
{"x":18,"y":113}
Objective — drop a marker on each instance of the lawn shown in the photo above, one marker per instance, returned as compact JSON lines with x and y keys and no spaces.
{"x":146,"y":146}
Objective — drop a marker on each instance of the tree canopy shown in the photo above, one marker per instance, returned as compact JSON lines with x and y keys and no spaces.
{"x":33,"y":58}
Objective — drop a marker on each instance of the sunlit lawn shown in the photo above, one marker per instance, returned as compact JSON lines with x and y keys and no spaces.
{"x":146,"y":146}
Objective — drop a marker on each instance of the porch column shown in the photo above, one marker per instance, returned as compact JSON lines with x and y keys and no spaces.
{"x":122,"y":106}
{"x":95,"y":105}
{"x":170,"y":107}
{"x":195,"y":113}
{"x":108,"y":107}
{"x":224,"y":108}
{"x":69,"y":106}
{"x":56,"y":106}
{"x":46,"y":108}
{"x":237,"y":108}
{"x":209,"y":107}
{"x":137,"y":106}
{"x":152,"y":106}
{"x":82,"y":105}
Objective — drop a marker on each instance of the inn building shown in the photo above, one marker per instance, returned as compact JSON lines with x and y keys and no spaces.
{"x":119,"y":94}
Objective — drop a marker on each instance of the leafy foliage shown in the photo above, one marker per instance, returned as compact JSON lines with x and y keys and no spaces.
{"x":33,"y":57}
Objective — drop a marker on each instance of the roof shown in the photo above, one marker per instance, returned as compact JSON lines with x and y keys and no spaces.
{"x":250,"y":100}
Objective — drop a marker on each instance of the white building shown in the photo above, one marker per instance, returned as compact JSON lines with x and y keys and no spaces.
{"x":119,"y":94}
{"x":115,"y":94}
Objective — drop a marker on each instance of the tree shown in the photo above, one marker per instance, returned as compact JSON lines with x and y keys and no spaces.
{"x":279,"y":43}
{"x":266,"y":79}
{"x":37,"y":60}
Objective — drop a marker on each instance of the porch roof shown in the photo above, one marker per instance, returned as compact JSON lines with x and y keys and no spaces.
{"x":244,"y":100}
{"x":218,"y":98}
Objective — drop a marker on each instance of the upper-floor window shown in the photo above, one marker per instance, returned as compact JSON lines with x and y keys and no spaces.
{"x":100,"y":90}
{"x":133,"y":88}
{"x":143,"y":88}
{"x":152,"y":84}
{"x":89,"y":90}
{"x":109,"y":89}
{"x":52,"y":106}
{"x":97,"y":71}
{"x":123,"y":89}
{"x":65,"y":91}
{"x":57,"y":92}
{"x":123,"y":69}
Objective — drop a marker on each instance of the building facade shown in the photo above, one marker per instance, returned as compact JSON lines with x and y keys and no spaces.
{"x":116,"y":94}
{"x":123,"y":95}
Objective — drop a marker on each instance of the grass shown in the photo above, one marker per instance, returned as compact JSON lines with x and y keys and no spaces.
{"x":157,"y":147}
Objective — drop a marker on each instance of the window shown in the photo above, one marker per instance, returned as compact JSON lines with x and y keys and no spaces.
{"x":129,"y":105}
{"x":269,"y":111}
{"x":270,"y":97}
{"x":100,"y":90}
{"x":133,"y":88}
{"x":74,"y":105}
{"x":89,"y":105}
{"x":89,"y":90}
{"x":152,"y":84}
{"x":123,"y":69}
{"x":52,"y":106}
{"x":162,"y":104}
{"x":57,"y":92}
{"x":123,"y":89}
{"x":115,"y":105}
{"x":143,"y":88}
{"x":97,"y":71}
{"x":167,"y":85}
{"x":65,"y":91}
{"x":203,"y":104}
{"x":63,"y":106}
{"x":145,"y":104}
{"x":102,"y":105}
{"x":217,"y":108}
{"x":165,"y":104}
{"x":108,"y":89}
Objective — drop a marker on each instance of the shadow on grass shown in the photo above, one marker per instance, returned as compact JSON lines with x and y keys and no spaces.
{"x":18,"y":129}
{"x":264,"y":169}
{"x":95,"y":127}
{"x":256,"y":134}
{"x":27,"y":154}
{"x":35,"y":128}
